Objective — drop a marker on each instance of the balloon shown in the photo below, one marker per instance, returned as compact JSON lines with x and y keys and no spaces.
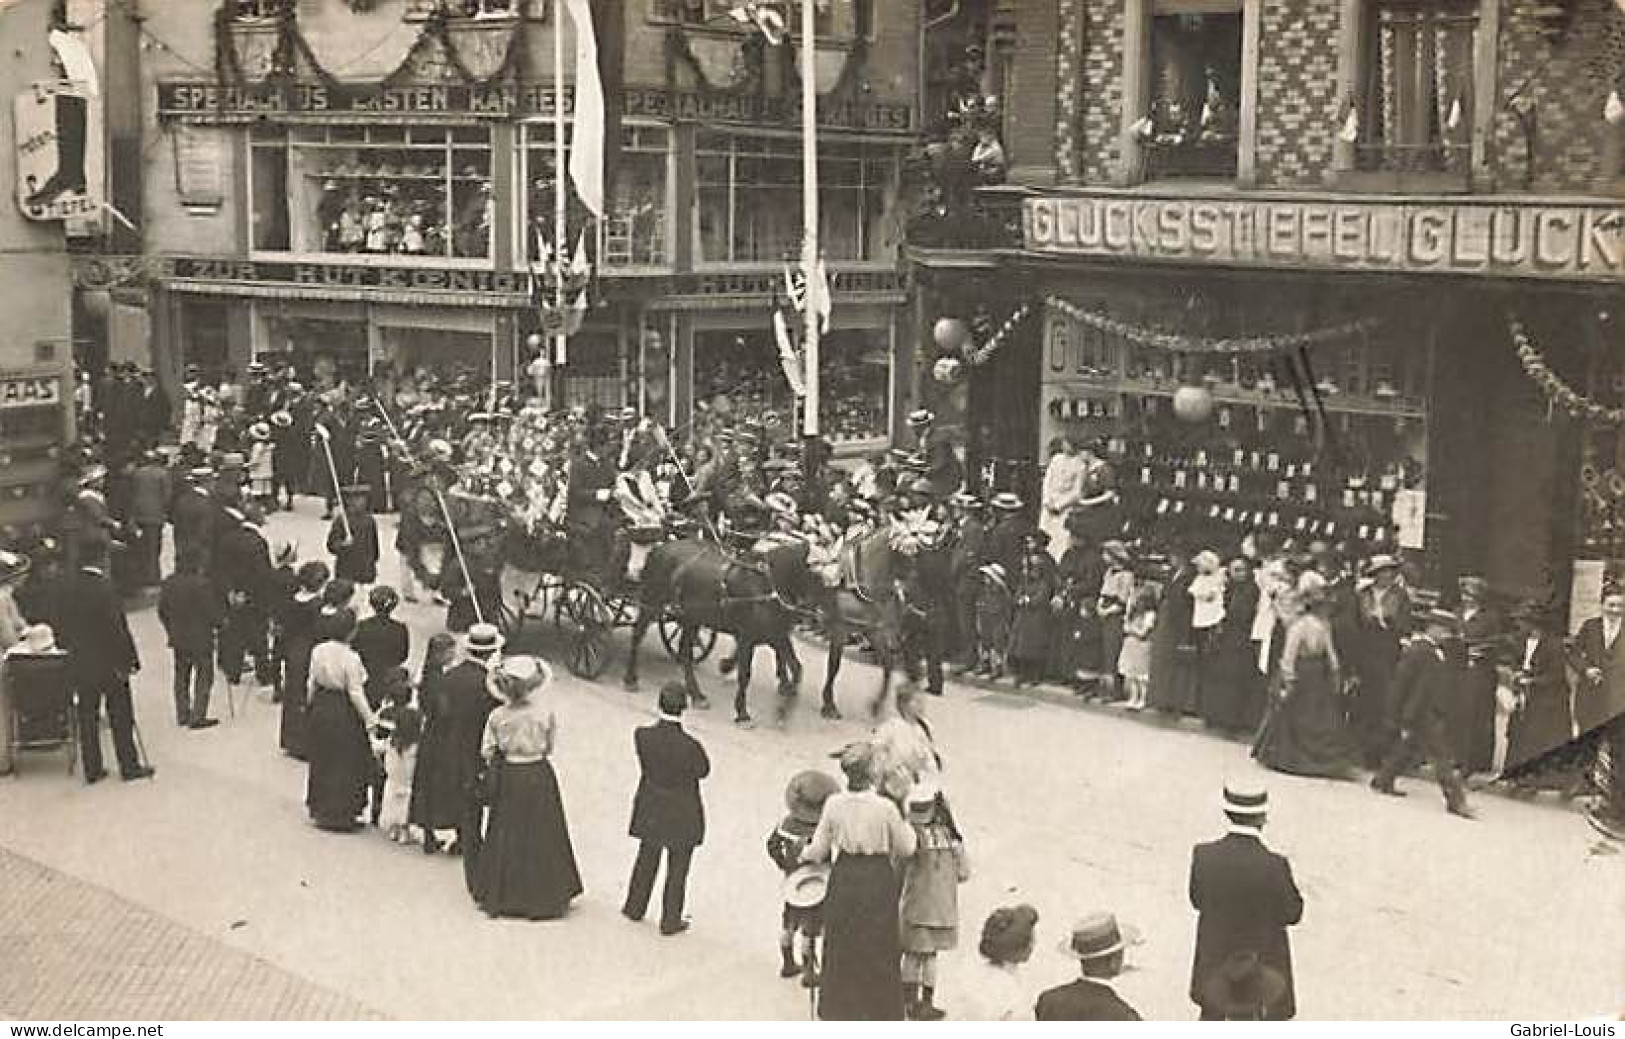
{"x":1193,"y":404}
{"x":948,"y":370}
{"x":950,"y":334}
{"x":534,"y":340}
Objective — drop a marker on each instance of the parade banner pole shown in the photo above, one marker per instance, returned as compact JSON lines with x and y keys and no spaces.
{"x":561,"y":247}
{"x":809,"y":212}
{"x":462,"y":561}
{"x":326,"y":438}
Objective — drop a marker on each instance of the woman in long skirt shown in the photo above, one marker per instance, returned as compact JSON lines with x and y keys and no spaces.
{"x":866,"y":836}
{"x":1305,"y":735}
{"x":337,"y":723}
{"x":1232,"y":703}
{"x":1172,"y":688}
{"x":527,"y":867}
{"x":298,"y":640}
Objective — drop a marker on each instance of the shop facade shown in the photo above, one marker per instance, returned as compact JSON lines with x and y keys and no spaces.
{"x":385,"y":225}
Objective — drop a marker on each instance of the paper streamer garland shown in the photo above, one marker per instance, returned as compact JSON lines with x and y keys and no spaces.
{"x":1558,"y":393}
{"x":1170,"y":341}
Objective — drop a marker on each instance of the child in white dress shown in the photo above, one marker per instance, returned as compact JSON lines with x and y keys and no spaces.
{"x":400,"y":727}
{"x":1134,"y":659}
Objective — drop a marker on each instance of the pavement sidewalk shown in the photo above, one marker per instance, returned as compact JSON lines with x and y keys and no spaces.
{"x":71,"y":950}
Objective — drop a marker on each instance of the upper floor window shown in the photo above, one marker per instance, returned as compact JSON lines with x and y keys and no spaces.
{"x":1415,"y":110}
{"x":637,"y":215}
{"x":1193,"y":117}
{"x":259,"y":10}
{"x":412,"y":192}
{"x":749,"y":198}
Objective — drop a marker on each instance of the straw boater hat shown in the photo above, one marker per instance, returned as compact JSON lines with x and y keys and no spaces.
{"x":1006,"y":501}
{"x":200,"y":473}
{"x":39,"y":639}
{"x":806,"y":794}
{"x":963,"y":500}
{"x":1380,"y":562}
{"x":13,"y":567}
{"x":806,"y":886}
{"x":780,"y":503}
{"x":483,"y":638}
{"x":1096,"y":936}
{"x":281,"y":419}
{"x":259,"y":431}
{"x":920,"y":417}
{"x":1246,"y":796}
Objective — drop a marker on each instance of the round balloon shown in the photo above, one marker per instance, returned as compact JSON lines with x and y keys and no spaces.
{"x":1193,"y":404}
{"x":951,"y":334}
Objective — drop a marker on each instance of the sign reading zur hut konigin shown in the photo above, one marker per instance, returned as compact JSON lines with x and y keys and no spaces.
{"x":1537,"y":240}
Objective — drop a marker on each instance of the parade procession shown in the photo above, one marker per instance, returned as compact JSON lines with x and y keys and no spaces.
{"x":922,"y":483}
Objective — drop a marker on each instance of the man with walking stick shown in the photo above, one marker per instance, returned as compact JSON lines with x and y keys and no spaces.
{"x":101,"y":658}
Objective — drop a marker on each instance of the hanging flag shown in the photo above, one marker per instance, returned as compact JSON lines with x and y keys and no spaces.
{"x":1350,"y":132}
{"x":819,"y":296}
{"x":587,"y":144}
{"x":580,"y":265}
{"x":1453,"y":120}
{"x":789,"y":356}
{"x":544,"y":248}
{"x":575,"y":313}
{"x":766,"y":19}
{"x":1143,"y":128}
{"x":795,"y":289}
{"x":1613,"y":109}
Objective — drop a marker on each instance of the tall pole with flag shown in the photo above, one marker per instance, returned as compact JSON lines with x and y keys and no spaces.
{"x":561,"y":338}
{"x":809,"y":210}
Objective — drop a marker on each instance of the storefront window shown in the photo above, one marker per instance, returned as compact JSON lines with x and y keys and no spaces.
{"x":738,"y":374}
{"x":834,"y":18}
{"x":635,"y":225}
{"x":750,"y":199}
{"x":375,"y":190}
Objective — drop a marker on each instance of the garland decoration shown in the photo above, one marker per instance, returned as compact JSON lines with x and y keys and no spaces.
{"x":1181,"y":344}
{"x":1558,"y":393}
{"x":1279,"y":343}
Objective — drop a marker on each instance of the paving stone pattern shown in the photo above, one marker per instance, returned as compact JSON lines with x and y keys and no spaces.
{"x":73,"y":951}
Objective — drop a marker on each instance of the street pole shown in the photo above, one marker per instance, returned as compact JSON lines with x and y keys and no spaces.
{"x":561,"y":248}
{"x":809,"y":209}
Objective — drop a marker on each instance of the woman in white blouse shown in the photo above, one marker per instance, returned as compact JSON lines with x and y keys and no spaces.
{"x":338,"y":720}
{"x":527,"y":867}
{"x":997,"y":989}
{"x":867,"y":838}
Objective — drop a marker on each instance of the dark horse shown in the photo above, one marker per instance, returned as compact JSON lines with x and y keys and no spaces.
{"x":870,"y":600}
{"x":702,"y":584}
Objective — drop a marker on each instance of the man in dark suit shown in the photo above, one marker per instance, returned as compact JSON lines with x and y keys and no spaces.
{"x":193,"y":515}
{"x":1424,"y":694}
{"x":667,"y":814}
{"x":1599,"y":707}
{"x":101,"y":658}
{"x":1097,"y":942}
{"x":1245,"y":898}
{"x":150,"y":495}
{"x":942,"y":468}
{"x":589,"y":508}
{"x":192,"y":611}
{"x":468,"y":705}
{"x":243,"y":576}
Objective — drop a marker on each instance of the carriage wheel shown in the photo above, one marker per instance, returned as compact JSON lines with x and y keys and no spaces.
{"x":588,"y":619}
{"x":671,"y":636}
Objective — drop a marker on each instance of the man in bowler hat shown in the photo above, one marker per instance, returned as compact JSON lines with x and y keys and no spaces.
{"x":668,"y":816}
{"x":1245,"y":899}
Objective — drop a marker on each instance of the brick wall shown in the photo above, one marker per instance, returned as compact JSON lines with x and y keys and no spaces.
{"x":1100,"y":111}
{"x":1031,"y":115}
{"x":1297,"y":92}
{"x":1568,"y":85}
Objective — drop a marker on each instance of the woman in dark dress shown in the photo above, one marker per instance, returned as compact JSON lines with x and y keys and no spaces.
{"x":1075,"y":645}
{"x":438,"y":796}
{"x":527,"y":867}
{"x":1036,"y":588}
{"x":867,"y":838}
{"x":1482,"y":634}
{"x":1173,"y":654}
{"x":1305,"y":734}
{"x":1234,"y":702}
{"x":298,"y":639}
{"x":1541,"y":718}
{"x":337,"y":723}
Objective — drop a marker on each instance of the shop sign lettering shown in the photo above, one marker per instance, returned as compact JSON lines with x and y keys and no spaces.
{"x":29,"y":392}
{"x":1544,"y":241}
{"x":205,"y":102}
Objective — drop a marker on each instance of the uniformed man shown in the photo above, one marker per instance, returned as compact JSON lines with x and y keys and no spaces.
{"x":589,"y":513}
{"x":1423,"y":697}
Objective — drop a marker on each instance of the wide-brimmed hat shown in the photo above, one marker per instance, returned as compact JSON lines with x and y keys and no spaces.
{"x":963,"y":500}
{"x":1007,"y":501}
{"x":259,"y":431}
{"x":1245,"y":795}
{"x":518,"y":677}
{"x":921,"y":417}
{"x":483,"y":638}
{"x":626,"y":416}
{"x":806,"y":794}
{"x":201,"y":472}
{"x":281,"y":419}
{"x":1380,"y":562}
{"x":806,"y":886}
{"x":13,"y":567}
{"x":1241,"y":988}
{"x":1094,"y":937}
{"x":39,"y":638}
{"x":1115,"y":550}
{"x":440,"y":450}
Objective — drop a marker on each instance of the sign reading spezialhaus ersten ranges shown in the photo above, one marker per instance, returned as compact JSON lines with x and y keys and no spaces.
{"x":1534,"y":240}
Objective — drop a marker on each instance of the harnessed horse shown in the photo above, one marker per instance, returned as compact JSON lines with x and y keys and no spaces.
{"x":702,"y":583}
{"x":869,"y":600}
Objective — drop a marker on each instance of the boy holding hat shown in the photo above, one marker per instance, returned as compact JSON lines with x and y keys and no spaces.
{"x":804,"y":885}
{"x":1424,"y":692}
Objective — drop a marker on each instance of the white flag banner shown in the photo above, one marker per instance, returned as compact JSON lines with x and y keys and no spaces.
{"x":579,"y":264}
{"x":820,"y":295}
{"x":587,"y":145}
{"x":789,"y":357}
